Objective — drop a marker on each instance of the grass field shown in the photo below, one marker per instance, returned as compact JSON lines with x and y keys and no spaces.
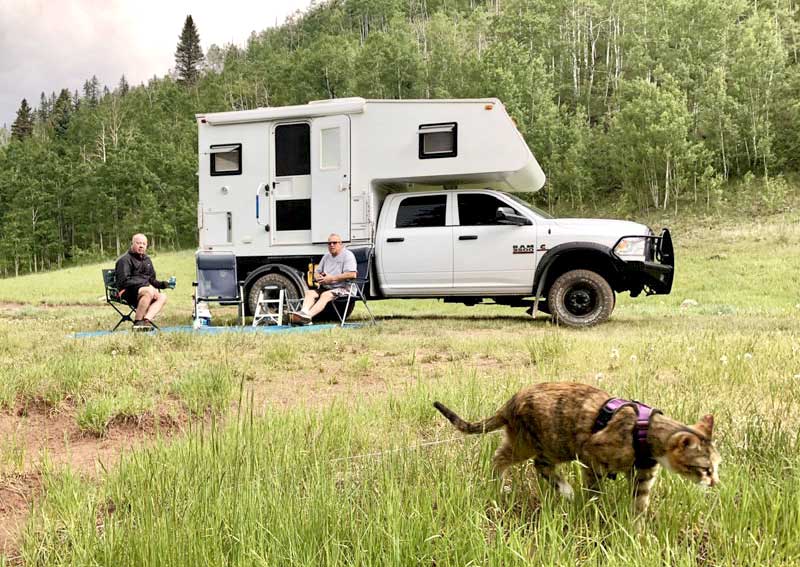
{"x":323,"y":448}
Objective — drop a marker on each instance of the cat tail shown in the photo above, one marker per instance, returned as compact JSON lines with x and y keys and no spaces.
{"x":485,"y":426}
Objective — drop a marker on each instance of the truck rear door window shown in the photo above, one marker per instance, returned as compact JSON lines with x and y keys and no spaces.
{"x":476,"y":209}
{"x":429,"y":210}
{"x":292,"y":150}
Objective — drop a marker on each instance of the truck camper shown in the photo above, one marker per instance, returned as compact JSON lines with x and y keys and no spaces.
{"x":428,"y":184}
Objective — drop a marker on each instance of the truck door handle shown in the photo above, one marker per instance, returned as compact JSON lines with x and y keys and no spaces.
{"x":468,"y":237}
{"x":395,"y":239}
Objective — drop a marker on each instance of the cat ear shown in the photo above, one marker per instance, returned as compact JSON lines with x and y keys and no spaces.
{"x":706,"y":424}
{"x":683,"y":440}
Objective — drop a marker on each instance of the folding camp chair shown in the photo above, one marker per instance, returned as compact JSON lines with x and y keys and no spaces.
{"x":217,"y":281}
{"x":359,"y":287}
{"x":113,"y":298}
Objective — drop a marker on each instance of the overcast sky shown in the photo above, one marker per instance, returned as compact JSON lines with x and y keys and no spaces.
{"x":54,"y":44}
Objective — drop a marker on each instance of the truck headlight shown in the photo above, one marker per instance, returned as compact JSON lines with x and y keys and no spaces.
{"x":631,"y":248}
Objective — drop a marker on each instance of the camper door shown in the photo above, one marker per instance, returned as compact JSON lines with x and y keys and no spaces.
{"x":330,"y":177}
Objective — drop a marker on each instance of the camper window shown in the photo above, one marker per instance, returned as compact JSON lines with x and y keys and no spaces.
{"x":226,"y":159}
{"x":422,"y":211}
{"x":293,"y":214}
{"x":438,"y":140}
{"x":292,"y":150}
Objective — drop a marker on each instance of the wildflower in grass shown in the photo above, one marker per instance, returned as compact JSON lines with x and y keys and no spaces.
{"x":724,"y":360}
{"x":599,"y":376}
{"x":113,"y":353}
{"x":748,"y":356}
{"x":634,"y":359}
{"x":614,"y":354}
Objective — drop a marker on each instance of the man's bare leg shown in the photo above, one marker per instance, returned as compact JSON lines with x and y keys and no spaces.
{"x":146,"y":297}
{"x":156,"y":306}
{"x":309,"y":299}
{"x":323,"y":300}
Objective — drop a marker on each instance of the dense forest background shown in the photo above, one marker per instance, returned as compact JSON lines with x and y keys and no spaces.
{"x":649,"y":105}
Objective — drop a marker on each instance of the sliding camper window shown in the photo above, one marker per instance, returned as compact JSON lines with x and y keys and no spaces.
{"x":292,"y":150}
{"x":438,"y":140}
{"x":226,"y":159}
{"x":424,"y":211}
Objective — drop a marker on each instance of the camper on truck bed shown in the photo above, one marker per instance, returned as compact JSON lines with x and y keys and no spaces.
{"x":429,"y":184}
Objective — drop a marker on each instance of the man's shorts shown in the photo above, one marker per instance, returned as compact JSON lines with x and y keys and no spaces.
{"x":130,"y":295}
{"x":337,"y":291}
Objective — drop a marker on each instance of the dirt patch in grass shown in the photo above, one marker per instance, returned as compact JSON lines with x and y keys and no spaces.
{"x":35,"y":434}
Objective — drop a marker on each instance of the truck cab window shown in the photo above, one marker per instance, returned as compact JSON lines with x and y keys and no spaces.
{"x":476,"y":209}
{"x":428,"y":210}
{"x":292,"y":150}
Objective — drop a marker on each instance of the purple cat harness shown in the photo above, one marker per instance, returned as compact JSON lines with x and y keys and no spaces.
{"x":644,"y":413}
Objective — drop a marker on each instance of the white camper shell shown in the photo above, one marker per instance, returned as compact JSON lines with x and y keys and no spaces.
{"x":423,"y":181}
{"x":278,"y":181}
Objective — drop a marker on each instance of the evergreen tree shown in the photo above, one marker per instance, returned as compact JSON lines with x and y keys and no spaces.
{"x":62,"y":113}
{"x":123,"y":86}
{"x":188,"y":54}
{"x":23,"y":125}
{"x":43,"y":113}
{"x":91,"y":91}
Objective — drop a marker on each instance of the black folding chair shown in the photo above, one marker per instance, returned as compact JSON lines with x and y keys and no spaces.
{"x":359,"y":287}
{"x":217,"y":281}
{"x":113,"y":298}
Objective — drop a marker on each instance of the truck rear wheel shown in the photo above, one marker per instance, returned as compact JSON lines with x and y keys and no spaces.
{"x":290,"y":290}
{"x":580,"y":298}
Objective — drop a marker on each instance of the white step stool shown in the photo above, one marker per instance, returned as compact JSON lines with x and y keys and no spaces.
{"x":263,"y":313}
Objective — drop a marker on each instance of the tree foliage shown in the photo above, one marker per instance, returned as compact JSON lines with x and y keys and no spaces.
{"x":649,"y":105}
{"x":188,"y":54}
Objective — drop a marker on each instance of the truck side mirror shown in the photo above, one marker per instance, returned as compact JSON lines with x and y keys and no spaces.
{"x":506,"y":215}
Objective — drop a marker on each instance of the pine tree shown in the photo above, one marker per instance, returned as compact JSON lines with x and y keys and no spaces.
{"x":188,"y":54}
{"x":62,"y":111}
{"x":123,"y":86}
{"x":43,"y":113}
{"x":23,"y":125}
{"x":91,"y":91}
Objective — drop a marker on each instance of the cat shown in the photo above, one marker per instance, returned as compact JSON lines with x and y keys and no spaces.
{"x":554,"y":423}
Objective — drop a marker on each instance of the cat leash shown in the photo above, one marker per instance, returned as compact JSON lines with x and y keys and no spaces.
{"x":402,"y":449}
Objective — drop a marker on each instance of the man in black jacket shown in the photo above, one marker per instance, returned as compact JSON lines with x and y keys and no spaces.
{"x":136,"y":280}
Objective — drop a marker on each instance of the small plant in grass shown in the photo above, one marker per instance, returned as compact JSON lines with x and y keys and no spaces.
{"x":208,"y":388}
{"x":546,"y":348}
{"x":12,"y":455}
{"x":95,"y":416}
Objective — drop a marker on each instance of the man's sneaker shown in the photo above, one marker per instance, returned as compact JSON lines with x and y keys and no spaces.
{"x":142,"y":325}
{"x":301,"y":318}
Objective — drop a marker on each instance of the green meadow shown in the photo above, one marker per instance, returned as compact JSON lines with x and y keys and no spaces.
{"x":323,"y":448}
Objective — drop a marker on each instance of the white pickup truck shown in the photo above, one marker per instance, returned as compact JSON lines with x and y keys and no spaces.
{"x":427,"y":184}
{"x":470,"y":245}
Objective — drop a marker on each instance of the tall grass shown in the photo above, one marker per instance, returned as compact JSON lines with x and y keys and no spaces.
{"x":361,"y":470}
{"x":355,"y":486}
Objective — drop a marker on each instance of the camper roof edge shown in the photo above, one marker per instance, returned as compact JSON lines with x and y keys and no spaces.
{"x":335,"y":106}
{"x":353,"y":105}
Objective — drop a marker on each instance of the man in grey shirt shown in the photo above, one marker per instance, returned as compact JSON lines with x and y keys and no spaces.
{"x":331,"y":276}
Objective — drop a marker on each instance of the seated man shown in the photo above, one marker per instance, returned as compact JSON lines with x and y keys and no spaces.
{"x":331,"y":275}
{"x":136,"y":280}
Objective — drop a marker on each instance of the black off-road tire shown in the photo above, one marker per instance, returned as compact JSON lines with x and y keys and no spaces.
{"x":290,"y":290}
{"x":580,"y":298}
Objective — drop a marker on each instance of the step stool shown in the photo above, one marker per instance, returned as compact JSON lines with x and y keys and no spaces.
{"x":263,"y":313}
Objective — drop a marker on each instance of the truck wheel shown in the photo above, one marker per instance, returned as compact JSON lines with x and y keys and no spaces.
{"x":290,"y":291}
{"x":580,"y":298}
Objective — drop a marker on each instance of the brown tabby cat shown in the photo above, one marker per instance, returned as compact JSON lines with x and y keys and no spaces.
{"x":555,"y":423}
